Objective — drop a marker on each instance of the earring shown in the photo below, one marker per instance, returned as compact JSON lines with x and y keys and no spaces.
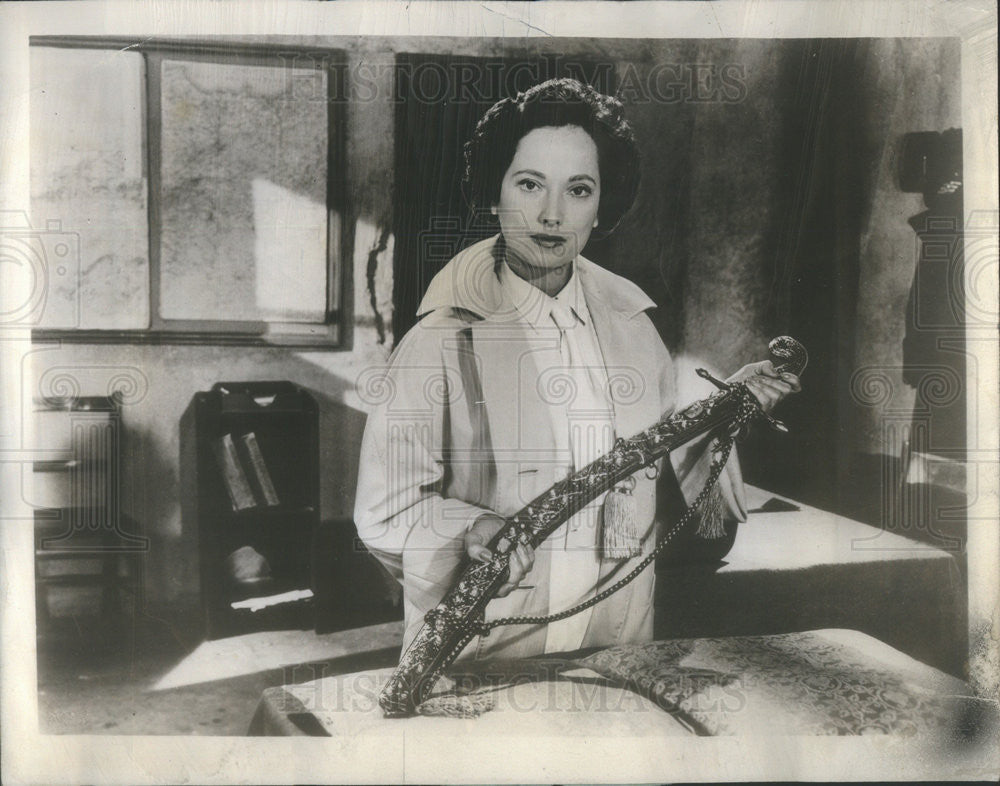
{"x":595,"y":223}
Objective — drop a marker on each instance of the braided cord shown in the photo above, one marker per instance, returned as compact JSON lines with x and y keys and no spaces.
{"x":718,"y":463}
{"x":747,"y":411}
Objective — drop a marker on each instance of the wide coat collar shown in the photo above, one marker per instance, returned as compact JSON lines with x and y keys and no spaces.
{"x":469,"y":282}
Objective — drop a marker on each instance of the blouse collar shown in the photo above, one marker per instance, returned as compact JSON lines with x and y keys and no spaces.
{"x":534,"y":305}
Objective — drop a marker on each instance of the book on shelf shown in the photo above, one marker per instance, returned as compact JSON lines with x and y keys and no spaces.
{"x":258,"y":470}
{"x":235,"y":479}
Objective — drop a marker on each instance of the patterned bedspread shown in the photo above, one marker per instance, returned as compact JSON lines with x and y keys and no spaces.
{"x":820,"y":682}
{"x":813,"y":683}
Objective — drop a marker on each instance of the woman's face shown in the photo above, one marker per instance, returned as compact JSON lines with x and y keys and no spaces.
{"x":549,"y":197}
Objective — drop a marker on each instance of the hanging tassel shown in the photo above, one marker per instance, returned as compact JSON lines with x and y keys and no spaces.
{"x":619,"y":528}
{"x":712,"y":524}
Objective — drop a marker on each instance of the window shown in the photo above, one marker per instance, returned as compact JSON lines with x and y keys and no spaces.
{"x":194,"y":190}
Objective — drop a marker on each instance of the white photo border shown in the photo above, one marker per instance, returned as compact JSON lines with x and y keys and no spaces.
{"x":30,"y":757}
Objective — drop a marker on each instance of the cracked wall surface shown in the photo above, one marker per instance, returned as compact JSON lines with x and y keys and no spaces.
{"x":244,"y":179}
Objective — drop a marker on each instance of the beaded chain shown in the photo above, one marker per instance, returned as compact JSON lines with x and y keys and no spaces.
{"x":747,"y":411}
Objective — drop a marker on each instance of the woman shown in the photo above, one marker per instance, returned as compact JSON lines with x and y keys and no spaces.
{"x":527,"y":364}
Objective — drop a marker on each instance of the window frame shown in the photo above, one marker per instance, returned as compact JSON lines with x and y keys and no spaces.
{"x":333,"y":332}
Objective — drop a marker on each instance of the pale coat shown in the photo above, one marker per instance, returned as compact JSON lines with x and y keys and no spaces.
{"x":460,"y":426}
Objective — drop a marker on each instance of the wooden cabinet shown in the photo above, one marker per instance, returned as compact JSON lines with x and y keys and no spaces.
{"x":250,"y":487}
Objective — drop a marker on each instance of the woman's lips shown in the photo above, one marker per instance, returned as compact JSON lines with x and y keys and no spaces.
{"x":549,"y":241}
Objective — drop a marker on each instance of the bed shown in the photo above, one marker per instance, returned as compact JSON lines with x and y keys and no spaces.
{"x":820,"y":682}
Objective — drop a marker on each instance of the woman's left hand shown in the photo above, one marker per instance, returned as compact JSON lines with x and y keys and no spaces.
{"x":767,"y":385}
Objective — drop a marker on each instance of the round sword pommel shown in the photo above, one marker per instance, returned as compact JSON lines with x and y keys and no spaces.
{"x":787,"y":354}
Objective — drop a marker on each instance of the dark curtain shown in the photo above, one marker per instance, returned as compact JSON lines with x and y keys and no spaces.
{"x":823,"y":194}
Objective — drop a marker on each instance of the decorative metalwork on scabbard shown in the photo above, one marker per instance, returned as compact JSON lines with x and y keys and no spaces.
{"x":458,"y":617}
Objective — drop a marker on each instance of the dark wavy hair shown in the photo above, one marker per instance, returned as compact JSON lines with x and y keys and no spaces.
{"x":557,"y":102}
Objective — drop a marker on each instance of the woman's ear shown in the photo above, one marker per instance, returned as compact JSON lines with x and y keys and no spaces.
{"x":595,"y":223}
{"x":493,"y":210}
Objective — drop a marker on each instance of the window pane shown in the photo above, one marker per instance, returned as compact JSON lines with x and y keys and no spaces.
{"x":88,"y":187}
{"x":244,"y":173}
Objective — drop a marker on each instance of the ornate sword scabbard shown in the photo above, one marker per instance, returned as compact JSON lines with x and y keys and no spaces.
{"x":458,"y":617}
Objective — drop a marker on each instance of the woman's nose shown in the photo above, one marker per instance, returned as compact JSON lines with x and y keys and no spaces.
{"x":551,"y":214}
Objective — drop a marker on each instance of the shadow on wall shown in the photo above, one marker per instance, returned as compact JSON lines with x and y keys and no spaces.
{"x":142,"y":447}
{"x":340,"y":431}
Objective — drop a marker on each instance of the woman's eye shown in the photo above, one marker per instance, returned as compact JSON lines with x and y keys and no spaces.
{"x":529,"y":185}
{"x":581,"y":191}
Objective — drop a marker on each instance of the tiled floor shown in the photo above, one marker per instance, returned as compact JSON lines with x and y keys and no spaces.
{"x":158,"y":684}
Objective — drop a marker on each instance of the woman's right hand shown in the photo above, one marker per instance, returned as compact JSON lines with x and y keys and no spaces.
{"x":522,"y":558}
